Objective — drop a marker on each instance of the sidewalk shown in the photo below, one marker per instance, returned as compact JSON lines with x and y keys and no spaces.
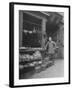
{"x":57,"y":70}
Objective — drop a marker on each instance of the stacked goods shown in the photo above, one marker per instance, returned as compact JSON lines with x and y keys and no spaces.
{"x":35,"y":61}
{"x":27,"y":60}
{"x":46,"y":63}
{"x":37,"y":55}
{"x":27,"y":57}
{"x":21,"y":66}
{"x":38,"y":69}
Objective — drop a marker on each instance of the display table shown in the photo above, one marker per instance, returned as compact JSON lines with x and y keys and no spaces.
{"x":27,"y":59}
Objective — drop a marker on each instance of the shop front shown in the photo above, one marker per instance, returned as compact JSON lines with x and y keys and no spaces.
{"x":34,"y":29}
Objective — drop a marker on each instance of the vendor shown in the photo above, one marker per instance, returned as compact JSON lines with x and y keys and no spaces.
{"x":50,"y":46}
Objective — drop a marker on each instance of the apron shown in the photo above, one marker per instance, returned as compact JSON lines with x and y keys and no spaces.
{"x":51,"y":49}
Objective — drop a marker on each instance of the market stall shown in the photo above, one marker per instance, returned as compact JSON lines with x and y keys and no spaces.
{"x":33,"y":60}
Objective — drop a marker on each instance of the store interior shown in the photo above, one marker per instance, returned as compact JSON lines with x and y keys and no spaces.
{"x":31,"y":31}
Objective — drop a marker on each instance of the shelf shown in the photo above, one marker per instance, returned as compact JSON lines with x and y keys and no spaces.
{"x":29,"y":64}
{"x":25,"y":61}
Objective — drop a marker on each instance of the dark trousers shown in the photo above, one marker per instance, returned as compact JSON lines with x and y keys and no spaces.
{"x":51,"y":56}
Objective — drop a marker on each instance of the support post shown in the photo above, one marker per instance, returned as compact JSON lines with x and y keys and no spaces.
{"x":20,"y":27}
{"x":43,"y":32}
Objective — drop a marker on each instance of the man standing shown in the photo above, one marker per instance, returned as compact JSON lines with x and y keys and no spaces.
{"x":50,"y":46}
